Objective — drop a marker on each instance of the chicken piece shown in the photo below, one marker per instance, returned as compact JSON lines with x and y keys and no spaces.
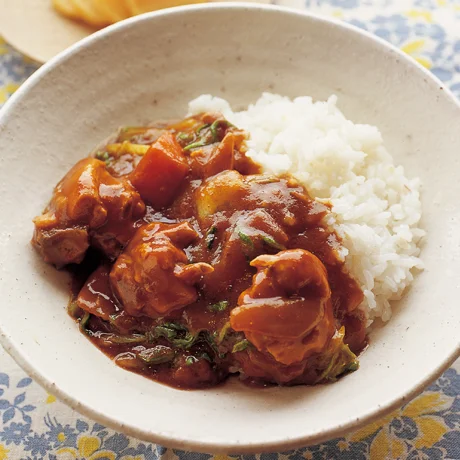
{"x":287,"y":311}
{"x":61,"y":246}
{"x":198,"y":374}
{"x":250,"y":233}
{"x":96,"y":298}
{"x":89,"y":206}
{"x":93,"y":296}
{"x":161,"y":171}
{"x":152,"y":277}
{"x":263,"y":367}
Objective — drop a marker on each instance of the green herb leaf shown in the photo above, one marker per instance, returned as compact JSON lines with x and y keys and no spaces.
{"x":157,"y":355}
{"x":223,"y":332}
{"x":219,"y":306}
{"x":208,"y":338}
{"x":206,"y":357}
{"x":215,"y":126}
{"x":198,"y":131}
{"x":133,"y":338}
{"x":74,"y":310}
{"x":209,"y":136}
{"x":353,"y":366}
{"x":178,"y":335}
{"x":268,"y":240}
{"x":185,"y":342}
{"x":210,"y":237}
{"x":195,"y":145}
{"x":184,"y":136}
{"x":164,"y":331}
{"x":175,"y":326}
{"x":241,"y":346}
{"x":246,"y":239}
{"x":341,"y":360}
{"x":84,"y":322}
{"x":189,"y":360}
{"x":103,"y":156}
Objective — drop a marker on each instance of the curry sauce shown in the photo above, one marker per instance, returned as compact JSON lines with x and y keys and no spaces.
{"x":201,"y":266}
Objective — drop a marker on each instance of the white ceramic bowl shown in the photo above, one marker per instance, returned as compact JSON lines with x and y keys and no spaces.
{"x":148,"y":68}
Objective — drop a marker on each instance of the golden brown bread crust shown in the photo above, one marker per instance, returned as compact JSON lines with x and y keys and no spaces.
{"x":100,"y":13}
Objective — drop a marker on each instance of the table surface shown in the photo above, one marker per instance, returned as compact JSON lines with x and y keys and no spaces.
{"x":34,"y":425}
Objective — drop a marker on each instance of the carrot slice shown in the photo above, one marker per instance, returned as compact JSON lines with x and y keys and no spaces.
{"x":161,"y":171}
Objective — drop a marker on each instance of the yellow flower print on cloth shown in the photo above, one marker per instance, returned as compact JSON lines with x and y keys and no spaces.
{"x":3,"y":452}
{"x":414,"y":49}
{"x":413,"y":426}
{"x":6,"y":91}
{"x":87,"y":449}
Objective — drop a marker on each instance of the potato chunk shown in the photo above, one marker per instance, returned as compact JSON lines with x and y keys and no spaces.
{"x":153,"y":277}
{"x":220,"y":192}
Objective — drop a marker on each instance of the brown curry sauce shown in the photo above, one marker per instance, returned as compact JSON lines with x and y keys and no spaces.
{"x":190,"y":265}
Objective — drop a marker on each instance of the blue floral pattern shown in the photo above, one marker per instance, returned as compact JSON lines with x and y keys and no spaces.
{"x":34,"y":426}
{"x":51,"y":431}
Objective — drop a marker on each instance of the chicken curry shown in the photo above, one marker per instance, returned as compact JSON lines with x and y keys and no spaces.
{"x":191,"y":265}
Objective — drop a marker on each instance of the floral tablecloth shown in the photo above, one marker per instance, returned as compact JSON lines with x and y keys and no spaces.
{"x":34,"y":425}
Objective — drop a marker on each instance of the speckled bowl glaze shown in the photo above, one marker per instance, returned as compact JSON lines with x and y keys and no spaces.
{"x":148,"y":68}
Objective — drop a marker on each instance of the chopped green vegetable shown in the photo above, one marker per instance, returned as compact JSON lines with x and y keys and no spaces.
{"x":157,"y":355}
{"x":184,"y":136}
{"x":341,"y":359}
{"x":246,"y":239}
{"x":241,"y":346}
{"x":210,"y":237}
{"x":175,"y":326}
{"x":84,"y":322}
{"x":164,"y":331}
{"x":103,"y":156}
{"x":73,"y":309}
{"x":185,"y":342}
{"x":215,"y":126}
{"x":209,"y":339}
{"x":195,"y":145}
{"x":206,"y":357}
{"x":223,"y":332}
{"x":178,"y":335}
{"x":189,"y":360}
{"x":121,"y":339}
{"x":354,"y":366}
{"x":219,"y":306}
{"x":207,"y":134}
{"x":272,"y":243}
{"x":198,"y":131}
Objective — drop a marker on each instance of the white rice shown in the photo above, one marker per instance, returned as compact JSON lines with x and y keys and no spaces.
{"x":376,"y":209}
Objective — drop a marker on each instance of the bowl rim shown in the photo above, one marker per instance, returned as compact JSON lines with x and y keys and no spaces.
{"x":14,"y":350}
